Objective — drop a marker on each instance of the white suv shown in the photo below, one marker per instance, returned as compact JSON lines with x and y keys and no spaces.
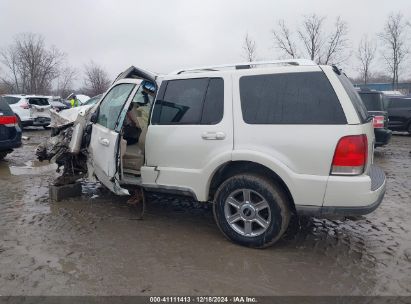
{"x":260,"y":140}
{"x":31,"y":110}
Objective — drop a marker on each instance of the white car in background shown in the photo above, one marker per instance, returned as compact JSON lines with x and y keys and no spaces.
{"x":31,"y":110}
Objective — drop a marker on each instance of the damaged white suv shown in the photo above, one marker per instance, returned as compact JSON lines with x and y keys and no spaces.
{"x":260,"y":141}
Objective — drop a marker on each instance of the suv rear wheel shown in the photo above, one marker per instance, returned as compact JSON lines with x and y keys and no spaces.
{"x":251,"y":211}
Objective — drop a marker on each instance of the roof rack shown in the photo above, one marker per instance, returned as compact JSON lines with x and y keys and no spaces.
{"x":247,"y":65}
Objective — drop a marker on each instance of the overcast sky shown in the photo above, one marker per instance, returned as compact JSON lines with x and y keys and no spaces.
{"x":165,"y":35}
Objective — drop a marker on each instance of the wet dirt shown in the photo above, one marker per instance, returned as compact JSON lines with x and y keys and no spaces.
{"x":95,"y":244}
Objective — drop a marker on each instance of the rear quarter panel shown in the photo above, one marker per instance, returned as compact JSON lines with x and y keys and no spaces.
{"x":300,"y":154}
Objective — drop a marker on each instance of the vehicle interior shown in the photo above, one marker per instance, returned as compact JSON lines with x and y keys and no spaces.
{"x":134,"y":131}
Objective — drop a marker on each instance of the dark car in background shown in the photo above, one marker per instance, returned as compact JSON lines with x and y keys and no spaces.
{"x":399,"y":113}
{"x":375,"y":102}
{"x":10,"y":132}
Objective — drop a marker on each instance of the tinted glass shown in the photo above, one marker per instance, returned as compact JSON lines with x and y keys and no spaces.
{"x":112,"y":105}
{"x":354,"y":97}
{"x":292,"y":98}
{"x":11,"y":99}
{"x":190,"y":101}
{"x":5,"y":108}
{"x":373,"y":101}
{"x":399,"y":103}
{"x":183,"y":101}
{"x":39,"y":101}
{"x":213,"y":109}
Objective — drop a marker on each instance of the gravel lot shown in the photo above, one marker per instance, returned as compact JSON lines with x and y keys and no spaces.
{"x":94,"y":245}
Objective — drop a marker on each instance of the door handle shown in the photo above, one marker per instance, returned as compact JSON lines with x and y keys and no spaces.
{"x":104,"y":141}
{"x":213,"y":135}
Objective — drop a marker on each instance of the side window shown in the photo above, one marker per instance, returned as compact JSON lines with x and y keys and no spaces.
{"x":143,"y":95}
{"x":399,"y":103}
{"x":292,"y":98}
{"x":354,"y":97}
{"x":190,"y":101}
{"x":112,"y":105}
{"x":213,"y":109}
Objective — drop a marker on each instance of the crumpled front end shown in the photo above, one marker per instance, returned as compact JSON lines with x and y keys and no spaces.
{"x":67,"y":146}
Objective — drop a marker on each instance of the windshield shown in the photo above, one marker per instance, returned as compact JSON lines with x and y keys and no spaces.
{"x":373,"y":101}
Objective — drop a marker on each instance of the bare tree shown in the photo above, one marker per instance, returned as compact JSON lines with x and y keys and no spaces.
{"x":64,"y":85}
{"x":249,"y":48}
{"x":31,"y":65}
{"x":283,"y":40}
{"x":96,"y":79}
{"x":394,"y":37}
{"x":365,"y":54}
{"x":336,"y":44}
{"x":311,"y":35}
{"x":313,"y":40}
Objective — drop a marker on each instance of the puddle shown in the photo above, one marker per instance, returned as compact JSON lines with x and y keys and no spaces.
{"x":4,"y":169}
{"x":32,"y":168}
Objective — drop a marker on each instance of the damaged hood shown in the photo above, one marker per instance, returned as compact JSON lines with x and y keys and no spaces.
{"x":69,"y":116}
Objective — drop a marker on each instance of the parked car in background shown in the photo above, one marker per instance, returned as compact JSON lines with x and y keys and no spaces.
{"x":375,"y":103}
{"x":261,"y":140}
{"x":399,"y":113}
{"x":93,"y":100}
{"x":10,"y":131}
{"x":31,"y":110}
{"x":58,"y":104}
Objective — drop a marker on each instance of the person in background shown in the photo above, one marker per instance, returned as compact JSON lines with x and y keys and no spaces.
{"x":74,"y":101}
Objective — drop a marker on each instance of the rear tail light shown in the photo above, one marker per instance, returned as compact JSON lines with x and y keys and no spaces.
{"x":8,"y":121}
{"x":350,"y":156}
{"x":25,"y":105}
{"x":378,"y":121}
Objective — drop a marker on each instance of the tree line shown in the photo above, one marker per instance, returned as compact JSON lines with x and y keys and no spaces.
{"x":330,"y":45}
{"x":32,"y":67}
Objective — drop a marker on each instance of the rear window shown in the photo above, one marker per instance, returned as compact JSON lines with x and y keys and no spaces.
{"x":5,"y":108}
{"x":11,"y":99}
{"x":399,"y":103}
{"x":292,"y":98}
{"x":39,"y":101}
{"x":354,"y":97}
{"x":373,"y":101}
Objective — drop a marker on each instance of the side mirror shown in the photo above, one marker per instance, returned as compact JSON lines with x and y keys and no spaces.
{"x":93,"y":117}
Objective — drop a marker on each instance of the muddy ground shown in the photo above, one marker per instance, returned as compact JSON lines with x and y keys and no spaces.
{"x":95,"y":244}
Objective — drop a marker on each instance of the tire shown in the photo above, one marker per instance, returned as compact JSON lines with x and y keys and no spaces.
{"x":258,"y":208}
{"x":3,"y":154}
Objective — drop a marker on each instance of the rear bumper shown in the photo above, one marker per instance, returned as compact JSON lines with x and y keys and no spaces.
{"x":382,"y":137}
{"x":39,"y":121}
{"x":348,"y":196}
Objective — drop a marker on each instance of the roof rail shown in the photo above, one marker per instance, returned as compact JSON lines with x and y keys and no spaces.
{"x":246,"y":65}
